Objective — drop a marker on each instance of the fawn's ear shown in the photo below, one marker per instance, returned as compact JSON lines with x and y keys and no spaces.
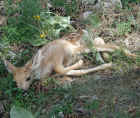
{"x":77,"y":37}
{"x":10,"y":67}
{"x":81,"y":32}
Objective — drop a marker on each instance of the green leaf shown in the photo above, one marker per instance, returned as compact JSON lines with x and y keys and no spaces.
{"x":18,"y":112}
{"x":99,"y":58}
{"x":93,"y":105}
{"x":93,"y":20}
{"x":58,"y":3}
{"x":38,"y":42}
{"x":54,"y":24}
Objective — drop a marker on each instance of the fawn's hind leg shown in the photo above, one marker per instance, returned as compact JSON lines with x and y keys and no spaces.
{"x":85,"y":71}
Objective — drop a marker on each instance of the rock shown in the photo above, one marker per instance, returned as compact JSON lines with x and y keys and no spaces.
{"x":81,"y":110}
{"x":3,"y":20}
{"x":85,"y":15}
{"x":2,"y":10}
{"x":132,"y":42}
{"x":110,"y":3}
{"x":1,"y":108}
{"x":61,"y":115}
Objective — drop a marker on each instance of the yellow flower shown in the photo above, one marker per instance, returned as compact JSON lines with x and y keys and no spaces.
{"x":42,"y":35}
{"x":36,"y":17}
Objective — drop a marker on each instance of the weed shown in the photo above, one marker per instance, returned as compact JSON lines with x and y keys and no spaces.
{"x":93,"y":19}
{"x":123,"y":63}
{"x":21,"y":25}
{"x":123,"y":28}
{"x":29,"y":23}
{"x":126,"y":2}
{"x":94,"y":105}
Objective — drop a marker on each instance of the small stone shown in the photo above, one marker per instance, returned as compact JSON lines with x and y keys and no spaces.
{"x":61,"y":115}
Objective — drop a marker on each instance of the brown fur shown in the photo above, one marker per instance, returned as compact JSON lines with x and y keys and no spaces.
{"x":56,"y":56}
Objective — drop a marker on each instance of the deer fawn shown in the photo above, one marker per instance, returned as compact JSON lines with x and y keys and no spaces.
{"x":56,"y":56}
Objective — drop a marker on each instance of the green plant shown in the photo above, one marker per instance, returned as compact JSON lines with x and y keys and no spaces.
{"x":123,"y":28}
{"x":21,"y":24}
{"x":124,"y":64}
{"x":18,"y":112}
{"x":138,"y":60}
{"x":65,"y":106}
{"x":51,"y":26}
{"x":93,"y":19}
{"x":94,"y":105}
{"x":29,"y":23}
{"x":126,"y":2}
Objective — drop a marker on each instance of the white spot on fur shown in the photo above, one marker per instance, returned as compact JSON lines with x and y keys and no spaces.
{"x":36,"y":71}
{"x":37,"y":60}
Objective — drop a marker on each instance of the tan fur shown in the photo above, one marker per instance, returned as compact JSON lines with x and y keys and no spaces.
{"x":56,"y":56}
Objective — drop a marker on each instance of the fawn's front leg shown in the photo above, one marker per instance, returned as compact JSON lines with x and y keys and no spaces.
{"x":60,"y":69}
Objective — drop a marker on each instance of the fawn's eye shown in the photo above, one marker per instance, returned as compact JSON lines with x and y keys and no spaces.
{"x":28,"y":79}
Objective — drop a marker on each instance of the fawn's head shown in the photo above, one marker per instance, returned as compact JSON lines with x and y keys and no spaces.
{"x":21,"y":74}
{"x":82,"y":40}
